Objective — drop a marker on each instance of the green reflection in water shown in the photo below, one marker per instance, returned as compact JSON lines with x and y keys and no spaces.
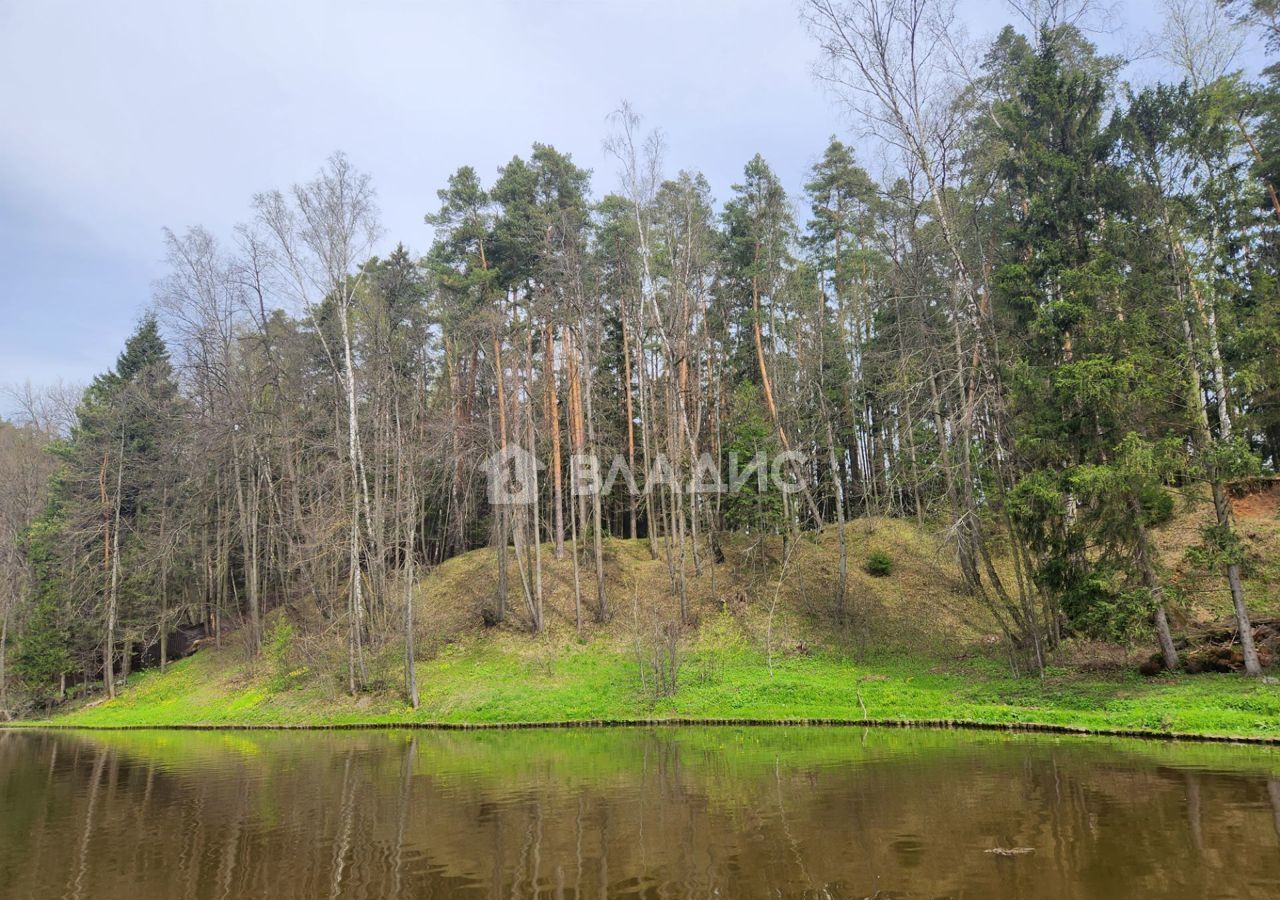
{"x":668,"y":812}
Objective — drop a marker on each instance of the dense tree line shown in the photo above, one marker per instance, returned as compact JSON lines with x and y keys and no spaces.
{"x":1059,"y":304}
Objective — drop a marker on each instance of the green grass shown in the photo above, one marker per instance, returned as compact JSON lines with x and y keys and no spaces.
{"x":502,"y":679}
{"x":473,"y":675}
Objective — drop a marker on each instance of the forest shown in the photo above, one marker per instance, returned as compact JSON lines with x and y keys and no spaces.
{"x":1024,"y":304}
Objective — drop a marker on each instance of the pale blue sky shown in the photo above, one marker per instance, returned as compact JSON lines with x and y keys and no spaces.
{"x":118,"y":119}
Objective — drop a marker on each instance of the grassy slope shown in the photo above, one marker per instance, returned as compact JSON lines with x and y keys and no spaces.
{"x":929,"y":654}
{"x":492,"y":682}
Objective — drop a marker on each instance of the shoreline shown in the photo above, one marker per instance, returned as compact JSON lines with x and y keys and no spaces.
{"x":498,"y":683}
{"x":678,"y":722}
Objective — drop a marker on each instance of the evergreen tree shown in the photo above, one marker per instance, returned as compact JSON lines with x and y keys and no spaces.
{"x":1091,"y":391}
{"x":99,"y":535}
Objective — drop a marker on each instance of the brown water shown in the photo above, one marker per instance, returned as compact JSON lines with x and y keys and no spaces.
{"x":691,"y":812}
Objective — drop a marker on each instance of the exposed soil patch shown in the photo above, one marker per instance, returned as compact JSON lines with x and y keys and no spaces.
{"x":1257,"y":502}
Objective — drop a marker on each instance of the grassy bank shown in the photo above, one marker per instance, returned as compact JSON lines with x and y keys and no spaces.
{"x":764,"y":648}
{"x":496,"y":681}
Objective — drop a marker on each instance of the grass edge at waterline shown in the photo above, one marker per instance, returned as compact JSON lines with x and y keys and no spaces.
{"x":494,"y":683}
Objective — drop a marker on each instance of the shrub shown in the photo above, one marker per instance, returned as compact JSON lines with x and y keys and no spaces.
{"x":1101,"y":606}
{"x":879,"y":564}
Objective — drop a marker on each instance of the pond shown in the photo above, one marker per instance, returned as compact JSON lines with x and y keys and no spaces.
{"x":632,"y":812}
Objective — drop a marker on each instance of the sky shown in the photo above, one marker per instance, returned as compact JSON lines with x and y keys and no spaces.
{"x":120,"y":119}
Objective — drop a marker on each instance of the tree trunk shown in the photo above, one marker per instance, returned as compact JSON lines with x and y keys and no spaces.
{"x":355,"y":661}
{"x":602,"y":604}
{"x":577,"y":574}
{"x":646,"y":408}
{"x":113,"y":600}
{"x":1221,"y":499}
{"x":164,"y":586}
{"x":1142,"y":556}
{"x":109,"y":637}
{"x":532,"y":449}
{"x":248,"y":546}
{"x":553,"y":417}
{"x":843,"y":576}
{"x":410,"y":670}
{"x":1252,"y":664}
{"x":4,"y":671}
{"x":767,"y":386}
{"x":503,"y":511}
{"x":631,"y":425}
{"x":1257,"y":156}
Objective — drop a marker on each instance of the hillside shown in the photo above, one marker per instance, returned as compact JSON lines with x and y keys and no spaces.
{"x":914,"y":647}
{"x":922,"y":588}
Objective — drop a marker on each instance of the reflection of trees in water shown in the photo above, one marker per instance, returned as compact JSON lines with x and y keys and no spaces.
{"x":1273,"y":791}
{"x":86,"y":832}
{"x":624,"y":813}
